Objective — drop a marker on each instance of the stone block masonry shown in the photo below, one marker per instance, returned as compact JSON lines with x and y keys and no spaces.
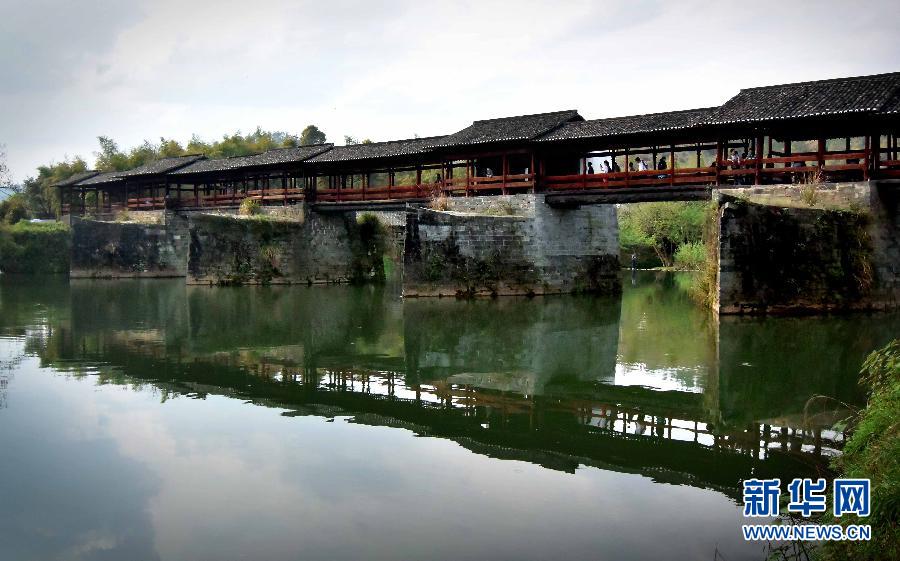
{"x":488,"y":246}
{"x":265,"y":250}
{"x":102,"y":249}
{"x":808,"y":249}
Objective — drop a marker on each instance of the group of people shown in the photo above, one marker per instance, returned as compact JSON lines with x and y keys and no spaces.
{"x":604,"y":168}
{"x":639,"y":164}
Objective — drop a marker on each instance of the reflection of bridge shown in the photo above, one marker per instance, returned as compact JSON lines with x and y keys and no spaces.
{"x":538,"y":389}
{"x":669,"y":436}
{"x":837,"y":130}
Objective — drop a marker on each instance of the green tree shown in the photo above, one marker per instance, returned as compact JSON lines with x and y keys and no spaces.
{"x":110,"y":158}
{"x":40,"y":195}
{"x":13,"y":209}
{"x":664,"y":226}
{"x":311,"y":135}
{"x":6,"y":184}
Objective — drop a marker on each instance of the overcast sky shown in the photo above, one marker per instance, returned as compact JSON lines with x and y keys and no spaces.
{"x":70,"y":71}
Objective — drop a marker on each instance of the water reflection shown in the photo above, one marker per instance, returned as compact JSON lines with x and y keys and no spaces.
{"x":643,"y":384}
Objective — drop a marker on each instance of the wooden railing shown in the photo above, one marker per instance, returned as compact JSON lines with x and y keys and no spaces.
{"x":784,"y":169}
{"x":388,"y":193}
{"x":833,"y":166}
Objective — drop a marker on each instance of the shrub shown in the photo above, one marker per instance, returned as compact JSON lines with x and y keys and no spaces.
{"x":690,"y":256}
{"x":34,"y":248}
{"x":249,"y":207}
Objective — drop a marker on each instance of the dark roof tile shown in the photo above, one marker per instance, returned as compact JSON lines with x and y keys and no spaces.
{"x":859,"y":94}
{"x":164,"y":165}
{"x":269,"y":158}
{"x":101,"y":179}
{"x":76,"y":177}
{"x":524,"y":127}
{"x":635,"y":124}
{"x":375,"y":150}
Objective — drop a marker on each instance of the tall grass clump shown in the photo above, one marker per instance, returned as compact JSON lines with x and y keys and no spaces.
{"x":873,"y":452}
{"x":249,"y":207}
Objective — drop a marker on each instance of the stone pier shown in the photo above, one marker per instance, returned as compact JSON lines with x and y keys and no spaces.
{"x":808,"y":248}
{"x":505,"y":245}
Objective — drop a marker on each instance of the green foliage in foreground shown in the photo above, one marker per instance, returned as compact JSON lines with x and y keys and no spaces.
{"x":873,"y":451}
{"x":34,"y":248}
{"x":662,"y":227}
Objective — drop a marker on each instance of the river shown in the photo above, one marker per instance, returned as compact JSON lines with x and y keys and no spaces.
{"x":151,"y":420}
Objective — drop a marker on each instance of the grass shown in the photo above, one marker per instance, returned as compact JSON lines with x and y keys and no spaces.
{"x":440,"y":202}
{"x":873,"y":452}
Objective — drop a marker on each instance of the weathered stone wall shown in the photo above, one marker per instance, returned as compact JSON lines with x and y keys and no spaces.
{"x":510,"y":245}
{"x":102,"y":249}
{"x":803,"y":249}
{"x":241,"y":250}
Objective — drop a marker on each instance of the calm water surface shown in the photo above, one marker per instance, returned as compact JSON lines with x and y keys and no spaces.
{"x":149,"y":420}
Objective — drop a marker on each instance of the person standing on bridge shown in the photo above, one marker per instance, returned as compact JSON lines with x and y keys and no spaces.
{"x":641,"y":165}
{"x":615,"y":167}
{"x":590,"y":168}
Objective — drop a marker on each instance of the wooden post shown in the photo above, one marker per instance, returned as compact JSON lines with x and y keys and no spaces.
{"x":533,"y":174}
{"x":698,"y":156}
{"x":504,"y":163}
{"x":876,"y":154}
{"x":759,"y":157}
{"x":584,"y":172}
{"x":820,"y":153}
{"x":718,"y":161}
{"x":626,"y":169}
{"x":867,"y":158}
{"x":672,"y":164}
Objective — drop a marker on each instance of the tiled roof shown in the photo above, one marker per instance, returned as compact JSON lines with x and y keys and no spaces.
{"x":524,"y":127}
{"x":102,"y":179}
{"x":618,"y":126}
{"x":164,"y":165}
{"x":76,"y":177}
{"x":374,"y":150}
{"x":859,"y":94}
{"x":268,"y":158}
{"x":892,"y":106}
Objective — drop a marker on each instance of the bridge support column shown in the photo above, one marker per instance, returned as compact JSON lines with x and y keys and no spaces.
{"x":506,"y":245}
{"x":800,"y":248}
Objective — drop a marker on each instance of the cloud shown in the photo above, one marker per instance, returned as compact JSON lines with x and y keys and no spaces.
{"x":390,"y":70}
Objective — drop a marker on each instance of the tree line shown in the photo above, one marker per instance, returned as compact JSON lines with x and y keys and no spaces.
{"x":36,"y":196}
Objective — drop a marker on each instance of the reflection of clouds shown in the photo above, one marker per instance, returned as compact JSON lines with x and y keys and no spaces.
{"x":68,"y":492}
{"x":240,"y":480}
{"x":685,"y":379}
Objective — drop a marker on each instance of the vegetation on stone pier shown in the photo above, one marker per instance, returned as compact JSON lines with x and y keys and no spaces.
{"x":31,"y":248}
{"x":873,"y":452}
